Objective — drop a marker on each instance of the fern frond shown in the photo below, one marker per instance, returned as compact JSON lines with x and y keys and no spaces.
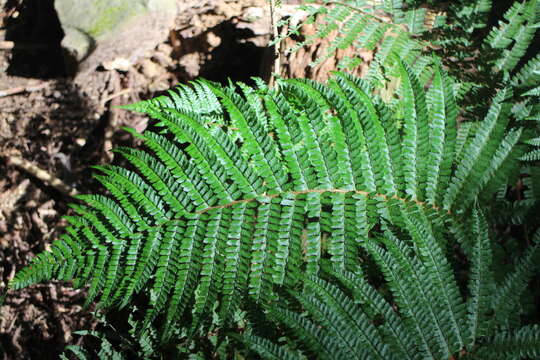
{"x":529,"y":75}
{"x":379,"y":163}
{"x":413,"y":31}
{"x":426,"y":312}
{"x":310,"y":335}
{"x":334,"y":310}
{"x":521,"y":343}
{"x":394,"y":333}
{"x":501,"y":37}
{"x":520,"y":31}
{"x":268,"y":349}
{"x":481,"y":283}
{"x":507,"y":297}
{"x":479,"y":151}
{"x":421,"y":317}
{"x":443,"y":132}
{"x":438,"y":270}
{"x":220,"y":208}
{"x":416,"y":133}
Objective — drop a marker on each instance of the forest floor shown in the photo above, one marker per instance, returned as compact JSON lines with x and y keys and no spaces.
{"x":54,"y":127}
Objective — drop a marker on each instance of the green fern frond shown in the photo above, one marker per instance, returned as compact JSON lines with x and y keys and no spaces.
{"x":481,"y":284}
{"x":412,"y":295}
{"x":439,"y":272}
{"x":364,"y":24}
{"x":392,"y":330}
{"x":414,"y":31}
{"x":442,"y":135}
{"x":220,"y":208}
{"x":416,"y":133}
{"x":522,"y":343}
{"x":269,"y":350}
{"x":515,"y":35}
{"x":480,"y":151}
{"x":427,"y":316}
{"x":501,"y":37}
{"x":332,"y":310}
{"x":507,"y":297}
{"x":529,"y":75}
{"x":115,"y":343}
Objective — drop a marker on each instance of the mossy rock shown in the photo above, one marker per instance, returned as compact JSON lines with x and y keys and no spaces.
{"x":103,"y":30}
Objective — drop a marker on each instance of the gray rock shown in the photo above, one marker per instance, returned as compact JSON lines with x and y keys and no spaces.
{"x":99,"y":31}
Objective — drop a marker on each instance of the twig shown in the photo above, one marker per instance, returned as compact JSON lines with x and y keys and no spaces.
{"x":115,"y":95}
{"x":277,"y":50}
{"x":10,"y":45}
{"x":7,"y":45}
{"x":111,"y":120}
{"x":10,"y":12}
{"x":7,"y":13}
{"x":41,"y":174}
{"x":21,"y":89}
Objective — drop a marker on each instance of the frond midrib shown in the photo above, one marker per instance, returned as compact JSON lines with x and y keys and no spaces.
{"x":442,"y":212}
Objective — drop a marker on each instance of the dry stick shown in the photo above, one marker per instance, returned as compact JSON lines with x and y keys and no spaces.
{"x":115,"y":95}
{"x":7,"y":13}
{"x":41,"y":174}
{"x":277,"y":50}
{"x":21,"y":89}
{"x":10,"y":45}
{"x":7,"y":45}
{"x":113,"y":114}
{"x":10,"y":12}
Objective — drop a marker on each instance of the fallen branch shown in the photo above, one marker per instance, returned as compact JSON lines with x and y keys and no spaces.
{"x":21,"y":89}
{"x":41,"y":174}
{"x":7,"y":45}
{"x":115,"y":95}
{"x":111,"y":124}
{"x":10,"y":45}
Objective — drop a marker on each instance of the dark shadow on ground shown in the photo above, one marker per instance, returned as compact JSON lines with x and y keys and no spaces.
{"x":37,"y":34}
{"x":236,"y":58}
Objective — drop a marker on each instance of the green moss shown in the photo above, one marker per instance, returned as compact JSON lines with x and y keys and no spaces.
{"x":111,"y":17}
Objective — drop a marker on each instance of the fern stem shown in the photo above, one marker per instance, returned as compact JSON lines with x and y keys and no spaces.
{"x":322,"y":191}
{"x":277,"y":43}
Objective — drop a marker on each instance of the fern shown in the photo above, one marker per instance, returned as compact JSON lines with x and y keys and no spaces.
{"x":238,"y":192}
{"x":515,"y":34}
{"x":362,"y":23}
{"x":413,"y":31}
{"x":119,"y":337}
{"x":426,"y":318}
